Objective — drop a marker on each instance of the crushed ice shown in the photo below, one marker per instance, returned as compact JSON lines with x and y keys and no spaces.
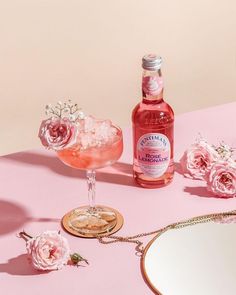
{"x":95,"y":133}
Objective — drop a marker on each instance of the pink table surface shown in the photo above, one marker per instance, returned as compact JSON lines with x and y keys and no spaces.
{"x":36,"y":189}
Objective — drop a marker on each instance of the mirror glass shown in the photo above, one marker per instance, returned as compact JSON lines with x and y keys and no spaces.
{"x":195,"y":260}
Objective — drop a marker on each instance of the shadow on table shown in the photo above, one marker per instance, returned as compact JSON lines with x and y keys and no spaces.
{"x":14,"y":217}
{"x":201,"y":191}
{"x":178,"y":168}
{"x":198,"y":191}
{"x":19,"y":266}
{"x":122,"y":173}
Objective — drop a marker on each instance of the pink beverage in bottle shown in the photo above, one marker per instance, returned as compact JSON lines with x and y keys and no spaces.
{"x":153,"y":130}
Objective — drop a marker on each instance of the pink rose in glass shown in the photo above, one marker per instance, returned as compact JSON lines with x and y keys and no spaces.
{"x":198,"y":159}
{"x":57,"y":133}
{"x":48,"y":251}
{"x":221,"y":179}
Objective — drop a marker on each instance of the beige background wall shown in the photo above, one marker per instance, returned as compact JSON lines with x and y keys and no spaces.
{"x":90,"y":51}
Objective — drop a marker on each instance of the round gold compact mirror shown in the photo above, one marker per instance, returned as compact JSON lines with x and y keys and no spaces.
{"x":193,"y":260}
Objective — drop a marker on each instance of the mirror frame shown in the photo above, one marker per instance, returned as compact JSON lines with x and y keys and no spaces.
{"x":215,"y":217}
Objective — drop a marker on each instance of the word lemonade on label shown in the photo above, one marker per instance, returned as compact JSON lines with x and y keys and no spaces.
{"x":153,"y":152}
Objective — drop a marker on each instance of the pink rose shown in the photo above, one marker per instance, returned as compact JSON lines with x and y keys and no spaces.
{"x":198,"y":159}
{"x":57,"y":133}
{"x":48,"y":251}
{"x":221,"y":179}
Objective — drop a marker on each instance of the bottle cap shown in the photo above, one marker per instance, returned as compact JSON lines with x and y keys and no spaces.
{"x":152,"y":62}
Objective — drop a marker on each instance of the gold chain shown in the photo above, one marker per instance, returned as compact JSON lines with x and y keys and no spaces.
{"x":139,"y":245}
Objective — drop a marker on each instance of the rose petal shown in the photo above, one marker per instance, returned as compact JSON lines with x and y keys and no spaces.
{"x":57,"y":133}
{"x":198,"y":159}
{"x":221,"y":179}
{"x":48,"y":251}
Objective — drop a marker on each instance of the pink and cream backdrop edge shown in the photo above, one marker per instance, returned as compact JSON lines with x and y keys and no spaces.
{"x":90,"y":51}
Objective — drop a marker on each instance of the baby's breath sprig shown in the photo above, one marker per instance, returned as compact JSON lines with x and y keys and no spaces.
{"x":65,"y":110}
{"x":225,"y":151}
{"x":200,"y":138}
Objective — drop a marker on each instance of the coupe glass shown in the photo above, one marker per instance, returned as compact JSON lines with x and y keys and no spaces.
{"x":93,"y":220}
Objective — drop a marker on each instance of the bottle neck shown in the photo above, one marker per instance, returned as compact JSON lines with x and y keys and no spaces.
{"x":152,"y":86}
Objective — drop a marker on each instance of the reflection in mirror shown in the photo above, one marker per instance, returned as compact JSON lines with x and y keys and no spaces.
{"x":194,"y":260}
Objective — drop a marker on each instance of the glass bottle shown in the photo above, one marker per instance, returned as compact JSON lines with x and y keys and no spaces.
{"x":153,"y":130}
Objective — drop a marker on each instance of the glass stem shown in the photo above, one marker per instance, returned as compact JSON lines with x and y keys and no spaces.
{"x":91,"y":180}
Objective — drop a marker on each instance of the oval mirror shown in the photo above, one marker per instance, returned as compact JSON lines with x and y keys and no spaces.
{"x":194,"y":260}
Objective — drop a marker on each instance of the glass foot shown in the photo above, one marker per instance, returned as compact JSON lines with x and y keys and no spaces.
{"x":93,"y":222}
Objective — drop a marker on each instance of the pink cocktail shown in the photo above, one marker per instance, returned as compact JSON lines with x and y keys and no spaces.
{"x":98,"y":144}
{"x":84,"y":142}
{"x":93,"y":157}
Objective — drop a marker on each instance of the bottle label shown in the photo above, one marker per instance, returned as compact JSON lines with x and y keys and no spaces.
{"x":152,"y":85}
{"x":153,"y":153}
